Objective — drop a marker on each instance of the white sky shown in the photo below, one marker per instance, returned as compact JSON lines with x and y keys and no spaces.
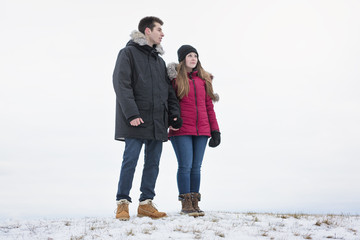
{"x":287,"y":73}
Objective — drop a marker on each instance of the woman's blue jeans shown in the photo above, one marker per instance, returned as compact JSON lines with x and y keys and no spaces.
{"x":189,"y":151}
{"x":153,"y":149}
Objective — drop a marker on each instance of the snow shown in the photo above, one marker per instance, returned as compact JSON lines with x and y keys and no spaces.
{"x":214,"y":225}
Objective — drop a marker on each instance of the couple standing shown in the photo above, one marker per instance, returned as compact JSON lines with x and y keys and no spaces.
{"x":148,"y":103}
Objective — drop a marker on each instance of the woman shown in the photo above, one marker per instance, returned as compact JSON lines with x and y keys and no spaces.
{"x":193,"y":86}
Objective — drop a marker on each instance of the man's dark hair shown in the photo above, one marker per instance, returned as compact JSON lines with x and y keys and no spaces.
{"x":148,"y":22}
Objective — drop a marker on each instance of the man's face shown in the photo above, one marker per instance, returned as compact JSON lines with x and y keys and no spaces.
{"x":156,"y":35}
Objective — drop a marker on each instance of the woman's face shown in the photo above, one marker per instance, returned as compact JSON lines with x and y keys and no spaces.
{"x":191,"y":61}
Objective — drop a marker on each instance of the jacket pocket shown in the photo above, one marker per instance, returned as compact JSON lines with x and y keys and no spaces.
{"x":144,"y":108}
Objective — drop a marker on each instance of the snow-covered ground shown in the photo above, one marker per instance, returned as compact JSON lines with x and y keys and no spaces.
{"x":215,"y":225}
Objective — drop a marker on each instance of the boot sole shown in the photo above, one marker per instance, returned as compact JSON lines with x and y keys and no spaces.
{"x":194,"y":214}
{"x":140,"y":215}
{"x":123,"y":219}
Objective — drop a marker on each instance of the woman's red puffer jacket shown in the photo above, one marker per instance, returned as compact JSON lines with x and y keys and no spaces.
{"x":197,"y":110}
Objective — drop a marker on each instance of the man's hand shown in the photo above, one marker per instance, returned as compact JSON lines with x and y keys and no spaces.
{"x":136,"y":122}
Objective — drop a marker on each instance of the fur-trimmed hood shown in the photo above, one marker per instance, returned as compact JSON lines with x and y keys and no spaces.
{"x":139,"y":38}
{"x":171,"y":70}
{"x":172,"y":73}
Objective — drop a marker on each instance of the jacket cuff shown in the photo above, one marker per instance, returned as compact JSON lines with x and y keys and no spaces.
{"x":132,"y":118}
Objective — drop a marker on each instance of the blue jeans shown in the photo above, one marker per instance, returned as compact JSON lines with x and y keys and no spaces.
{"x":189,"y":152}
{"x":153,"y":149}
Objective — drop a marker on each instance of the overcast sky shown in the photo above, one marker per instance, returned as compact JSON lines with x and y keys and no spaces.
{"x":287,"y":73}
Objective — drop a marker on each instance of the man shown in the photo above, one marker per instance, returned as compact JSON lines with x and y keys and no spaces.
{"x":146,"y":105}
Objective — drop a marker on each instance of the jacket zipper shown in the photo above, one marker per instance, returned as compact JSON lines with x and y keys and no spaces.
{"x":197,"y":112}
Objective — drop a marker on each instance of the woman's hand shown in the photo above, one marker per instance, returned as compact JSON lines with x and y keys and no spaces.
{"x":215,"y":139}
{"x":175,"y":123}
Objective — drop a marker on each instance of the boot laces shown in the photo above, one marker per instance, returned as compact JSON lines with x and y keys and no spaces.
{"x":119,"y":209}
{"x":153,"y":204}
{"x":121,"y":206}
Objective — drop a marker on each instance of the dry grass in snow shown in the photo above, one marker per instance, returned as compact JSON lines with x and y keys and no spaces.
{"x":215,"y":225}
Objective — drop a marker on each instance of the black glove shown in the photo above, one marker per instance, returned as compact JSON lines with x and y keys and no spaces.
{"x":215,"y":139}
{"x":175,"y":124}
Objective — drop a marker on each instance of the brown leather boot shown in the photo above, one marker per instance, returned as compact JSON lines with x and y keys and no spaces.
{"x":195,"y":198}
{"x":147,"y":209}
{"x":186,"y":205}
{"x":122,"y":212}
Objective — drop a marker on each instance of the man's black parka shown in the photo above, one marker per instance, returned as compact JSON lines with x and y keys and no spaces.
{"x":143,"y":89}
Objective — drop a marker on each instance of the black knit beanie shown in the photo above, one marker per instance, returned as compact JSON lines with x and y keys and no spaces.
{"x":185,"y":50}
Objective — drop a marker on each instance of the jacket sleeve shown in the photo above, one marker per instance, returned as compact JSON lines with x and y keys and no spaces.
{"x":122,"y":81}
{"x":211,"y":114}
{"x":173,"y":102}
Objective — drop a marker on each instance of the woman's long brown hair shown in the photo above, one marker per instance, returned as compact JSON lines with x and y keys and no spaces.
{"x":182,"y":82}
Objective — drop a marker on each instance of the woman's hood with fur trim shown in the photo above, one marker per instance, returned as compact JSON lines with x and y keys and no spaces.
{"x":139,"y":38}
{"x":172,"y":73}
{"x":171,"y":70}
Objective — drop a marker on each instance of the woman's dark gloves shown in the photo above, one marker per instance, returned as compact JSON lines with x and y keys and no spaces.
{"x":175,"y":124}
{"x":215,"y":139}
